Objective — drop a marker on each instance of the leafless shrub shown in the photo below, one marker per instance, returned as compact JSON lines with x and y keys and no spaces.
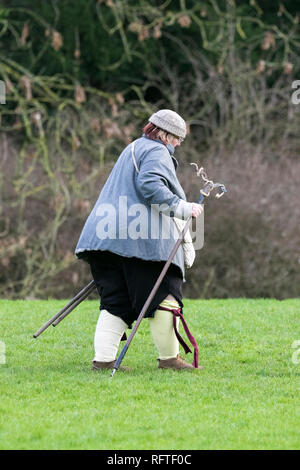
{"x":252,"y":238}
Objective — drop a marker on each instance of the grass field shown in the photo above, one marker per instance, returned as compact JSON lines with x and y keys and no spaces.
{"x":247,"y":397}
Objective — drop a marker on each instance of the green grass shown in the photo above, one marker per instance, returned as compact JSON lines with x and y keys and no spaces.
{"x":247,"y":397}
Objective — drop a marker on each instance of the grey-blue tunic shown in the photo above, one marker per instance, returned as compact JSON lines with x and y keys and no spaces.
{"x":114,"y":220}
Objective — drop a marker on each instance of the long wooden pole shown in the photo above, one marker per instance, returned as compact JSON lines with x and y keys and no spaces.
{"x":151,"y":295}
{"x":69,"y":307}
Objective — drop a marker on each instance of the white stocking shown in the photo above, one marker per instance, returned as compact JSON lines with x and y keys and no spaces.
{"x":162,"y":330}
{"x":108,"y":334}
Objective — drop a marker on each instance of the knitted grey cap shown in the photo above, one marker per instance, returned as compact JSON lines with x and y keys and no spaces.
{"x":169,"y":121}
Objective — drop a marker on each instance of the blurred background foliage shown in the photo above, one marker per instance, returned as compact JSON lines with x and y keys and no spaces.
{"x":82,"y":78}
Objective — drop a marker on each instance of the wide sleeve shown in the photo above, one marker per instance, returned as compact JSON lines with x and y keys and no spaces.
{"x":154,"y":180}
